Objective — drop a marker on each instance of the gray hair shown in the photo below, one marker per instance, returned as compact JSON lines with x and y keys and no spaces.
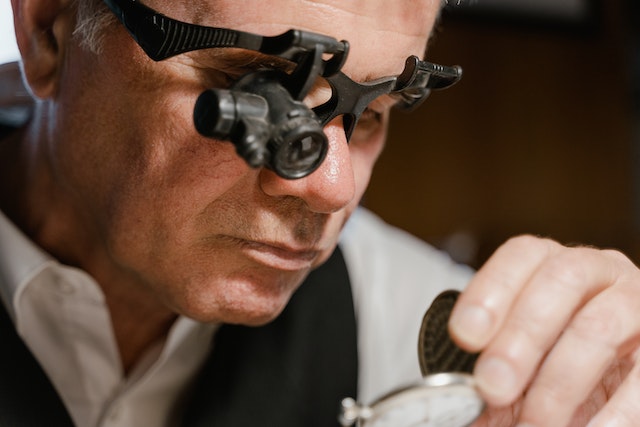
{"x":92,"y":19}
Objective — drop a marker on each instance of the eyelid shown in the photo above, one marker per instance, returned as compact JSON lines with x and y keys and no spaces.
{"x":370,"y":113}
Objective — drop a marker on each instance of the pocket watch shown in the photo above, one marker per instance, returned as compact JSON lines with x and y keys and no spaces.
{"x":445,"y":397}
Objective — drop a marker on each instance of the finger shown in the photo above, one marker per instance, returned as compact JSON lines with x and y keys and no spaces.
{"x":622,"y":410}
{"x":604,"y":330}
{"x":614,"y":376}
{"x":483,"y":306}
{"x":548,"y":300}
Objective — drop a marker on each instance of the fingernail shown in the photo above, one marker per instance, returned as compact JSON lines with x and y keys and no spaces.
{"x":496,"y":377}
{"x":472,"y":324}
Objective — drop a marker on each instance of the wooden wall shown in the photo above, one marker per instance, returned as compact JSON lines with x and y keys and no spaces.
{"x":536,"y":138}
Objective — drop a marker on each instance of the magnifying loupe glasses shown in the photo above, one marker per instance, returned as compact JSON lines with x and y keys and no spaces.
{"x":262,"y":114}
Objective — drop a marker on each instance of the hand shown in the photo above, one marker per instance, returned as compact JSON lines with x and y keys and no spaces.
{"x":559,"y":332}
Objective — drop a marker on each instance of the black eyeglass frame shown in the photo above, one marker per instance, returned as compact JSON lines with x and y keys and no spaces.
{"x":162,"y":37}
{"x":314,"y":55}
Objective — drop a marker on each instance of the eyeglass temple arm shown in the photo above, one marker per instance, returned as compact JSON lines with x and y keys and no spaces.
{"x":162,"y":37}
{"x":419,"y":78}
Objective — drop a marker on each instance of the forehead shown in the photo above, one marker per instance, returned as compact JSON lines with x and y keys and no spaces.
{"x":381,"y":33}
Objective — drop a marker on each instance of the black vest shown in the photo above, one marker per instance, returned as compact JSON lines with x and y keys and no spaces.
{"x":292,"y":372}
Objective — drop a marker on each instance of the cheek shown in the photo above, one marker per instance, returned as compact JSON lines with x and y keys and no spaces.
{"x":131,"y":156}
{"x":168,"y":190}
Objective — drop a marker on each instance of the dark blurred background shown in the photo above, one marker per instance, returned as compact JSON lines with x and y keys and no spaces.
{"x":541,"y":135}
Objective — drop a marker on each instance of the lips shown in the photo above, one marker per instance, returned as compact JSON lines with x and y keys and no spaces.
{"x":279,"y":256}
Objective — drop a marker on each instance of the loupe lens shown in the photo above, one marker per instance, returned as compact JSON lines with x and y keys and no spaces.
{"x":298,"y":157}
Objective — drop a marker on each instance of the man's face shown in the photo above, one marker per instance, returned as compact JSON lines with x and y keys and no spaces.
{"x":182,"y":214}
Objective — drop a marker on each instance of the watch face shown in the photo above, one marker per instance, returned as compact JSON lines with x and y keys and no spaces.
{"x":440,"y":400}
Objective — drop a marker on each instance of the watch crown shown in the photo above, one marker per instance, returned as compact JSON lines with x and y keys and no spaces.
{"x":351,"y":412}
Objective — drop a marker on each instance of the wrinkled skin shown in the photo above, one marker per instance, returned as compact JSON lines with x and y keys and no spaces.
{"x":111,"y":176}
{"x":168,"y":221}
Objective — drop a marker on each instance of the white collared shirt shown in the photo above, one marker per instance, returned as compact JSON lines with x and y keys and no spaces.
{"x":60,"y":313}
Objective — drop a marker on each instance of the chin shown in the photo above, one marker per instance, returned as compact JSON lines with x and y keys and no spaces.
{"x":249,"y":313}
{"x":245,"y":302}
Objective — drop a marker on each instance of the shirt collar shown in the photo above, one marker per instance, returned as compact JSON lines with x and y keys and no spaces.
{"x":20,"y":261}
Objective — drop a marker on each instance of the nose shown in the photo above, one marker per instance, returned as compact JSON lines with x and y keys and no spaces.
{"x":330,"y":187}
